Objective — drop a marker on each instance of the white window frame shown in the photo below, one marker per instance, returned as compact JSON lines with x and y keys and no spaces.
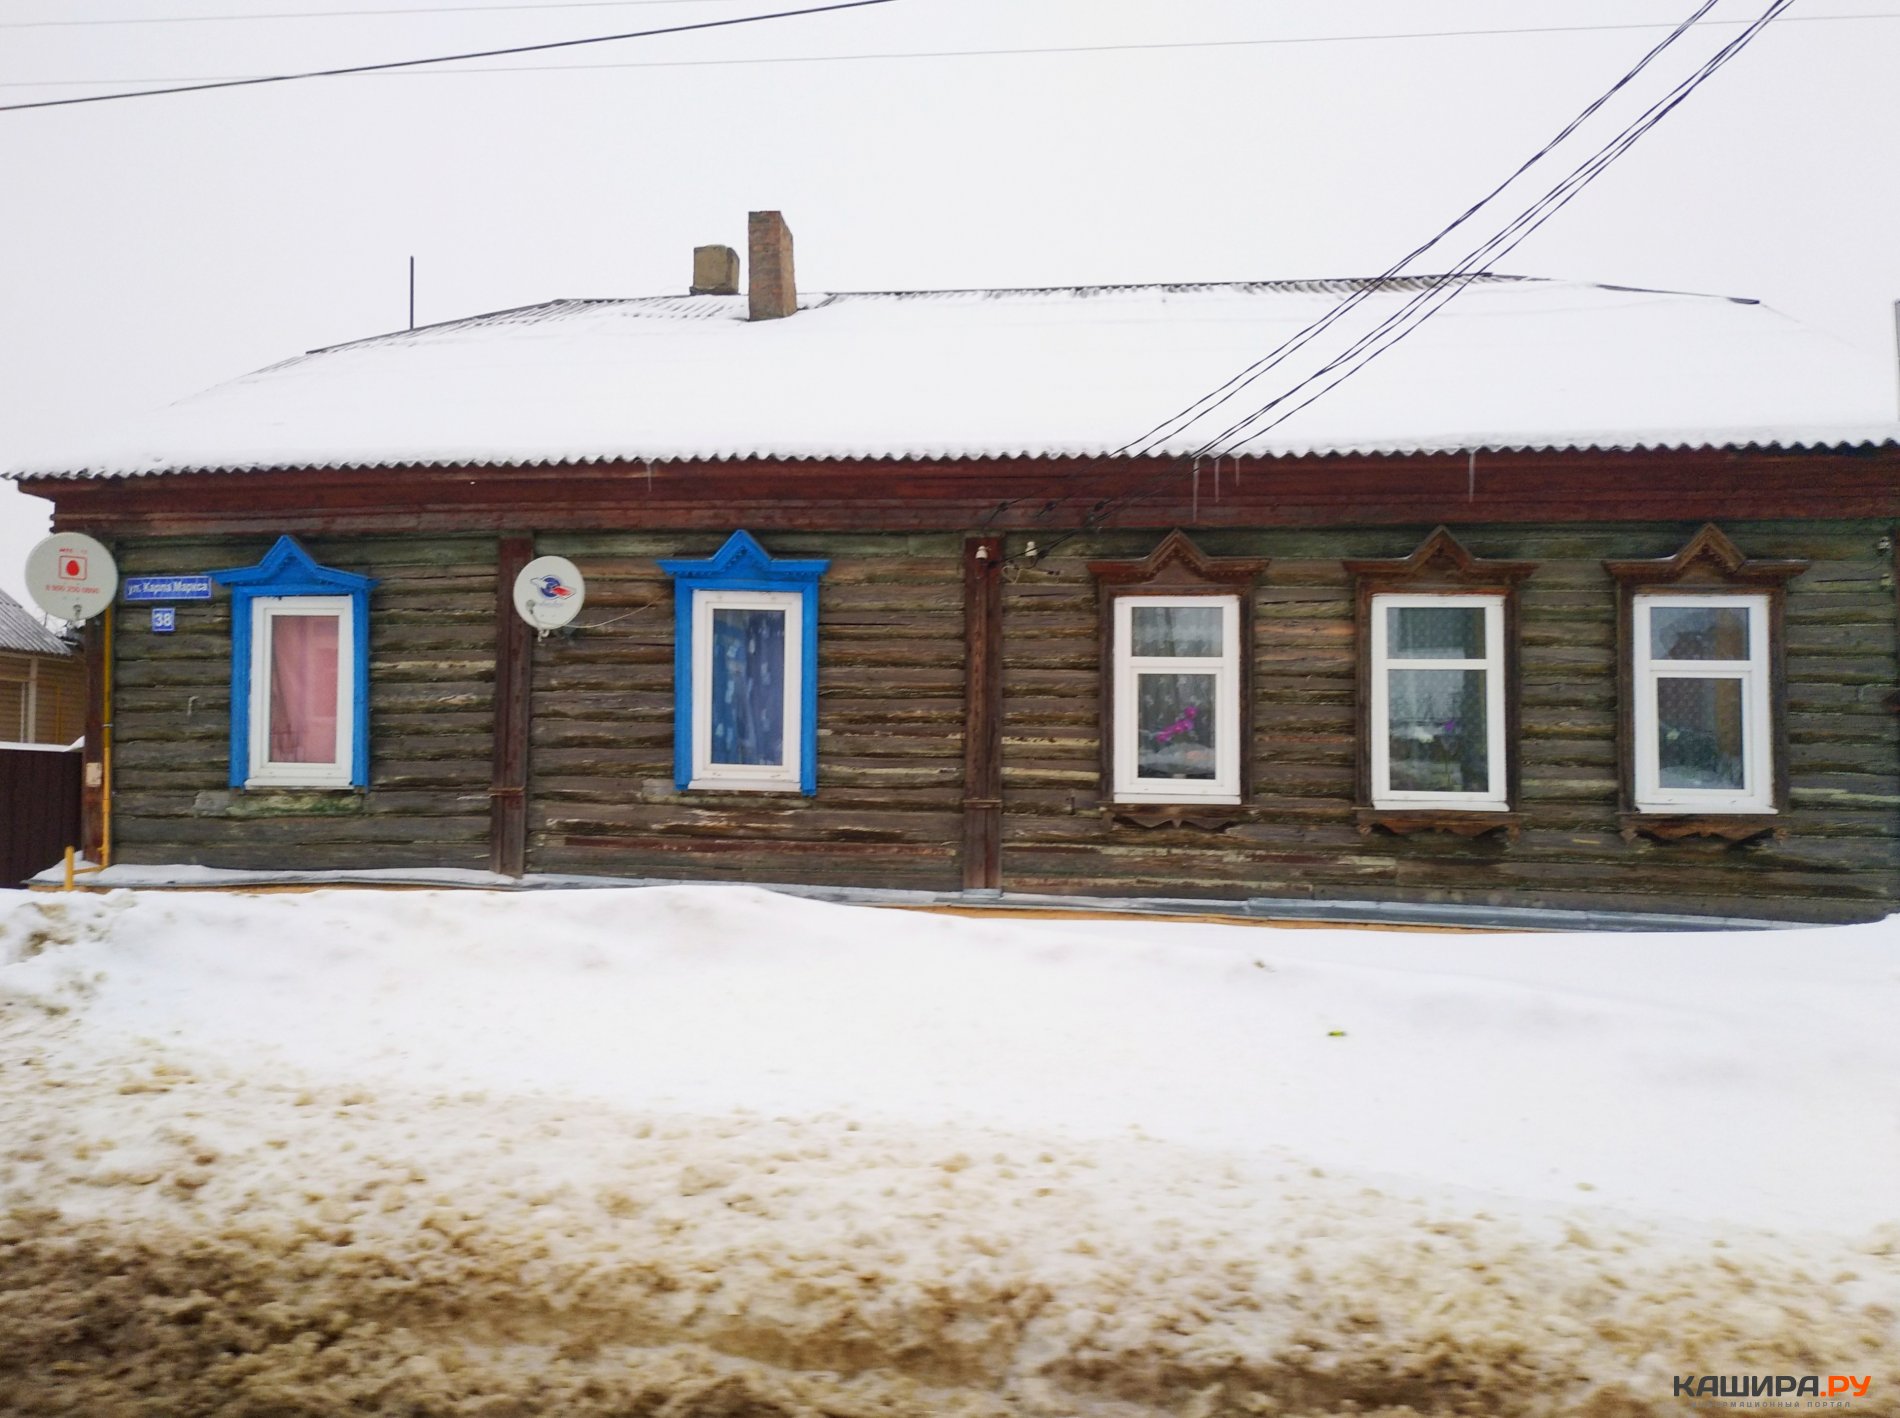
{"x":266,"y":773}
{"x":1224,"y":786}
{"x":1758,"y":786}
{"x":748,"y":777}
{"x":1496,"y":796}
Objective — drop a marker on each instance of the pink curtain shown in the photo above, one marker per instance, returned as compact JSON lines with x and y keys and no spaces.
{"x":303,"y":675}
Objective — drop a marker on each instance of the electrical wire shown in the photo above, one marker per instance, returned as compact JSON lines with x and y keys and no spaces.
{"x":1447,"y":287}
{"x":1454,"y":282}
{"x":403,"y":10}
{"x":344,"y":14}
{"x":448,"y":58}
{"x":1184,"y":418}
{"x":913,"y":54}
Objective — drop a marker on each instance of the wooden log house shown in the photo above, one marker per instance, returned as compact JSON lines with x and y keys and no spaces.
{"x":1553,"y":609}
{"x":42,"y":681}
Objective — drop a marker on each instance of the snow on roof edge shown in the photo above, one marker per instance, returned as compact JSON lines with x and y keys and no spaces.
{"x":1806,"y":440}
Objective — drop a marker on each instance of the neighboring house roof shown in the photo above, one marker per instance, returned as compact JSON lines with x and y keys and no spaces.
{"x":21,"y":634}
{"x":1071,"y":371}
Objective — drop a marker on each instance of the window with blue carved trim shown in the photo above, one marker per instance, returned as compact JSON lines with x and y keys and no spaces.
{"x":745,"y":670}
{"x":746,"y":688}
{"x":301,"y":734}
{"x":299,"y":672}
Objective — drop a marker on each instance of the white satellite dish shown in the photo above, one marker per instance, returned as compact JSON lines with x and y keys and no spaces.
{"x":549,"y":592}
{"x":71,"y":576}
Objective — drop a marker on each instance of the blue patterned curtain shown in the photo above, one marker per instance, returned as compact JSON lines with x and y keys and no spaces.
{"x":748,"y":686}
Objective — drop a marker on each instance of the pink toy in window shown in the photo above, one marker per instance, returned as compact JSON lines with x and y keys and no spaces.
{"x":1182,"y":725}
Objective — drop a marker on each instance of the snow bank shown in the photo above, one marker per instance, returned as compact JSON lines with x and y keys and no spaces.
{"x":715,"y":1151}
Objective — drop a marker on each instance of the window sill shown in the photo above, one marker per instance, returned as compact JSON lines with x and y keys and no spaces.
{"x":742,"y":785}
{"x":1209,"y":817}
{"x":1459,"y":822}
{"x":1727,"y":826}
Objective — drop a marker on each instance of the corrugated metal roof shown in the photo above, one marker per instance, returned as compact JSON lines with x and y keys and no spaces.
{"x":22,"y":634}
{"x":1077,"y":371}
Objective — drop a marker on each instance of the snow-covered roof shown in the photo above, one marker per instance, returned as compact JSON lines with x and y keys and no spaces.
{"x":21,"y":634}
{"x":1071,"y":371}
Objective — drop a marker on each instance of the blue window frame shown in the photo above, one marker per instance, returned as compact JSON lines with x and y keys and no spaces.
{"x":294,"y":626}
{"x":745,"y":670}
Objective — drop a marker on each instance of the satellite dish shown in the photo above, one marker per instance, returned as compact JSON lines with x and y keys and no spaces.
{"x":71,"y":576}
{"x":549,"y":592}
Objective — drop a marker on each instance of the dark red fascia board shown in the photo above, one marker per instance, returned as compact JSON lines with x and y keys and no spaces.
{"x":999,"y":494}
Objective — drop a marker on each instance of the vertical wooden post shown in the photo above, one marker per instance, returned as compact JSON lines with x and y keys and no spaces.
{"x":983,"y":714}
{"x":1893,"y":552}
{"x":92,"y":791}
{"x":514,"y":673}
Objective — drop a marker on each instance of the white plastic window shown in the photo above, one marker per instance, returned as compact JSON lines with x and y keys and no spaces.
{"x":1438,"y":688}
{"x":302,"y":692}
{"x":748,"y":660}
{"x":1702,"y":711}
{"x":1177,"y":699}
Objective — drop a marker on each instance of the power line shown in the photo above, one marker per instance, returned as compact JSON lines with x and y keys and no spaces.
{"x":1201,"y":407}
{"x":1446,"y":288}
{"x":1441,"y":289}
{"x":1183,"y":419}
{"x":344,"y":14}
{"x":447,"y":58}
{"x":917,"y":54}
{"x":245,"y":17}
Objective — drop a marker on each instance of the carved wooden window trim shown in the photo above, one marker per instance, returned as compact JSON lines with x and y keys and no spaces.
{"x":1710,"y":564}
{"x":1177,"y":568}
{"x":1441,"y":566}
{"x":742,"y":575}
{"x":288,"y":581}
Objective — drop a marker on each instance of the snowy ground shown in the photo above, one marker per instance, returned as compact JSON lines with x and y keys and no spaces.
{"x":710,"y":1151}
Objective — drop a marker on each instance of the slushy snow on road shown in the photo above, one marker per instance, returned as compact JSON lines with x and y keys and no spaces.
{"x":712,"y":1150}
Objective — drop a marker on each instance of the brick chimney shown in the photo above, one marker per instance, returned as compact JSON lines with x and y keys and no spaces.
{"x":772,"y":294}
{"x":715,"y":270}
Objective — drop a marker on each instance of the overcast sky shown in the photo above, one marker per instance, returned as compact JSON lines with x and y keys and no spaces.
{"x":157,"y":246}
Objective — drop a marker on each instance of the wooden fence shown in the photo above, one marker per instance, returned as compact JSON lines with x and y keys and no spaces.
{"x":39,"y":809}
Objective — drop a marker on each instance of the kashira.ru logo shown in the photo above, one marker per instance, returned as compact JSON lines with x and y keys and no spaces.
{"x":1776,"y":1390}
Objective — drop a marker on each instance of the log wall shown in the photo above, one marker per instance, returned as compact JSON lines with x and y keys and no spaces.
{"x":1839,"y":860}
{"x":890,"y":724}
{"x":432,"y":638}
{"x":889,"y":810}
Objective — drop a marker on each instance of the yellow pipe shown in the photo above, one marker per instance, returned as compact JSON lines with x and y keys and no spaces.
{"x":105,"y":767}
{"x":105,"y":755}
